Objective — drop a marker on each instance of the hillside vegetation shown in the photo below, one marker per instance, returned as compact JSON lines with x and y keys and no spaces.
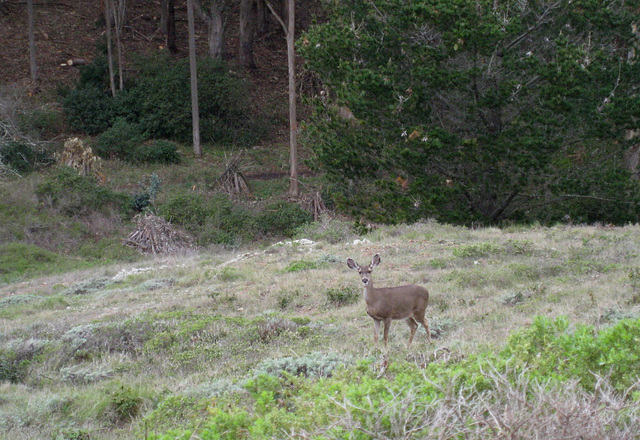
{"x":146,"y":293}
{"x":534,"y":329}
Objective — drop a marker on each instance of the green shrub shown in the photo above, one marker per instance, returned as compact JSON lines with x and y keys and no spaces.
{"x":88,"y":109}
{"x":282,"y":219}
{"x":71,"y":434}
{"x":158,"y":151}
{"x":23,"y":158}
{"x":150,"y":190}
{"x":476,"y":250}
{"x":20,"y":258}
{"x":45,"y":122}
{"x":159,"y":99}
{"x":74,"y":195}
{"x":342,"y":296}
{"x":551,"y":349}
{"x":121,"y":141}
{"x":186,"y":208}
{"x":124,"y":403}
{"x":299,"y":266}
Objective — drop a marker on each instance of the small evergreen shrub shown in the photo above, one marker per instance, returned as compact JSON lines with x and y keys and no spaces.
{"x":121,"y":141}
{"x":124,"y":403}
{"x":73,"y":194}
{"x":21,"y":157}
{"x":186,"y":208}
{"x":150,"y":190}
{"x":299,"y":266}
{"x":88,"y":109}
{"x":282,"y":219}
{"x":158,"y":151}
{"x":476,"y":250}
{"x":342,"y":296}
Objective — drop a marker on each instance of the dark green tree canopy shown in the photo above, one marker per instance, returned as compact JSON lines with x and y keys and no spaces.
{"x":478,"y":110}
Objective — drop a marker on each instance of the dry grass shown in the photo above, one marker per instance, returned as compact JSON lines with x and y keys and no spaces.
{"x":168,"y":324}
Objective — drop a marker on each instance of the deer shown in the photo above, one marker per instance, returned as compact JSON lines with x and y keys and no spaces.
{"x":385,"y":304}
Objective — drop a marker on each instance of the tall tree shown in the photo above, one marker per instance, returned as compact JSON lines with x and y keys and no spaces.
{"x":119,"y":13}
{"x":210,"y":11}
{"x":32,"y":43}
{"x":108,"y":9}
{"x":289,"y":30}
{"x":193,"y":71}
{"x":247,"y":27}
{"x":168,"y":24}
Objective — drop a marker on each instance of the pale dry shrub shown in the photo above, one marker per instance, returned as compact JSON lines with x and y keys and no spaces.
{"x":84,"y":374}
{"x":81,"y":158}
{"x":513,"y":407}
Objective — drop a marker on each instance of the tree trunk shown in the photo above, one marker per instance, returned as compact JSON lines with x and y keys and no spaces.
{"x":171,"y":26}
{"x":164,"y":17}
{"x":294,"y":188}
{"x":247,"y":19}
{"x":212,"y":16}
{"x":262,"y":24}
{"x":195,"y":114}
{"x":32,"y":43}
{"x":107,"y":16}
{"x":119,"y":15}
{"x":289,"y":30}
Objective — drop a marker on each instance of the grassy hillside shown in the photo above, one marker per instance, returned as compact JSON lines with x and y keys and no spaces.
{"x":132,"y":350}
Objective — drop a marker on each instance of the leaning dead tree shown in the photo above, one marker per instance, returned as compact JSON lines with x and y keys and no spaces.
{"x":231,"y":180}
{"x":154,"y":235}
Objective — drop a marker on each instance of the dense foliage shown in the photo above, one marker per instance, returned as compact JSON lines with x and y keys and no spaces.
{"x":157,"y":99}
{"x":477,"y":111}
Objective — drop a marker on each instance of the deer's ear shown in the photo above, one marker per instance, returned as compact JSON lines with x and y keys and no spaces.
{"x":352,"y":264}
{"x":375,"y":261}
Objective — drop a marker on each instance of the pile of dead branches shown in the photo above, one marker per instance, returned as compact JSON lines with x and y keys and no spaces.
{"x":231,"y":180}
{"x":313,"y":203}
{"x":154,"y":235}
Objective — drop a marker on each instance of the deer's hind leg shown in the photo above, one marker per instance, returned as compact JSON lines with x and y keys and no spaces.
{"x":413,"y":326}
{"x":419,"y":317}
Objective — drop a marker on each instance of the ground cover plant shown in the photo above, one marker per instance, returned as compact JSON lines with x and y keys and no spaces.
{"x":268,"y":341}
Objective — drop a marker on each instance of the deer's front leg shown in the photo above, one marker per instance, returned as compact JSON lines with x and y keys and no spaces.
{"x":376,"y":330}
{"x":387,"y":326}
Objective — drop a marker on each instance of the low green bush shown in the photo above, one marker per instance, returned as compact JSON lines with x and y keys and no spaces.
{"x":282,"y":219}
{"x":72,"y":194}
{"x":23,"y":158}
{"x":121,"y":141}
{"x":552,"y":350}
{"x":542,"y":381}
{"x":22,"y":258}
{"x":342,"y":296}
{"x":88,"y":109}
{"x":158,"y":151}
{"x":188,"y":209}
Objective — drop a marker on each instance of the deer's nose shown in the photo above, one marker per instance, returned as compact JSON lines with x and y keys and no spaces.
{"x":365,"y":281}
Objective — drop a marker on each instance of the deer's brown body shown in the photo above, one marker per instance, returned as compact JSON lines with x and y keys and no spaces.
{"x":391,"y":303}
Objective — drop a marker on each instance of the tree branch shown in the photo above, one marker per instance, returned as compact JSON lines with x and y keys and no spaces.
{"x":275,"y":14}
